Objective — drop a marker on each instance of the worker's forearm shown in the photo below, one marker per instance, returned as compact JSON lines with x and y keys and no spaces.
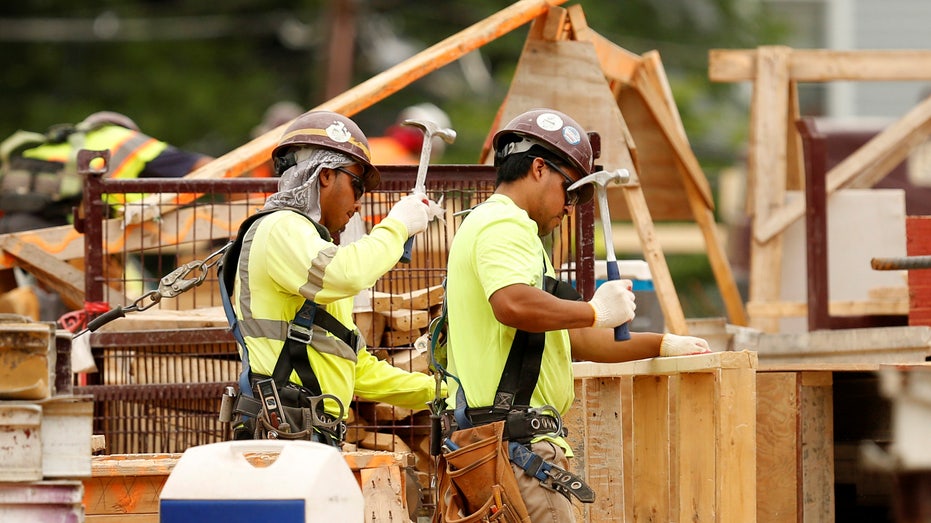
{"x":598,"y":345}
{"x":533,"y":310}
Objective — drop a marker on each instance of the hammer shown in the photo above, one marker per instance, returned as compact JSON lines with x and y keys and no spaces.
{"x":601,"y":179}
{"x":430,"y":130}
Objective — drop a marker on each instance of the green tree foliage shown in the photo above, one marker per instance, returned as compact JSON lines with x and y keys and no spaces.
{"x":200,"y":74}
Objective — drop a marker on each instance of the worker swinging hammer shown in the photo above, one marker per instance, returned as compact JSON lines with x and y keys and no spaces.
{"x":430,"y":129}
{"x":600,"y":180}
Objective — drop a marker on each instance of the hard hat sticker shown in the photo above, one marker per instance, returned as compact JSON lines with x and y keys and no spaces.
{"x":549,"y":122}
{"x":571,"y":135}
{"x":338,"y":132}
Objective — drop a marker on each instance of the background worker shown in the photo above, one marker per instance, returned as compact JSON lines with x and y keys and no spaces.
{"x":401,"y":144}
{"x":292,"y":258}
{"x":39,"y":183}
{"x":495,"y":288}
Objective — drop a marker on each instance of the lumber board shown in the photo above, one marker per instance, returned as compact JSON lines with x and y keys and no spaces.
{"x":907,"y":344}
{"x":799,"y":309}
{"x":603,"y":395}
{"x":371,"y":324}
{"x":158,"y":319}
{"x":651,"y":496}
{"x":816,"y":407}
{"x":216,"y":221}
{"x":777,"y":479}
{"x":695,"y":446}
{"x":673,"y":315}
{"x":406,"y":319}
{"x":735,"y":436}
{"x":618,"y":63}
{"x":866,"y":166}
{"x":669,"y":365}
{"x":254,"y":153}
{"x":383,"y":492}
{"x":651,"y":82}
{"x":825,"y":65}
{"x":768,"y":132}
{"x":56,"y":274}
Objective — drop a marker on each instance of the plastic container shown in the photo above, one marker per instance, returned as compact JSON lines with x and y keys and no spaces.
{"x":67,"y":427}
{"x":27,"y":360}
{"x":20,"y":442}
{"x":42,"y":502}
{"x":261,"y":480}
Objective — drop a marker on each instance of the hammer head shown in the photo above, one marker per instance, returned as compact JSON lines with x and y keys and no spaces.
{"x":603,"y":178}
{"x":600,"y":180}
{"x":430,"y":129}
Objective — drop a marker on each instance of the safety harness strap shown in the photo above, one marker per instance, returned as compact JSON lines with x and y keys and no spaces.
{"x":550,"y":475}
{"x":293,"y":355}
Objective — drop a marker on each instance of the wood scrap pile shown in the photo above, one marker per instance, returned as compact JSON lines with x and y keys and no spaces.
{"x":394,"y":326}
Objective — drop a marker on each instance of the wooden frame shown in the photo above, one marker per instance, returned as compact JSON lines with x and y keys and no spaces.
{"x":776,"y":147}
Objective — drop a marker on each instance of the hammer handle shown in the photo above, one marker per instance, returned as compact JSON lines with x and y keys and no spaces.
{"x":408,"y":247}
{"x":621,"y":332}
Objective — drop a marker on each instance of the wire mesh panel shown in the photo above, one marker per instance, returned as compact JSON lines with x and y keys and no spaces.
{"x":160,"y":381}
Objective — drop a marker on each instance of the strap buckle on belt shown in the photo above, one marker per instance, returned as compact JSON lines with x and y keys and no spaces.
{"x":299,"y":333}
{"x":550,"y":476}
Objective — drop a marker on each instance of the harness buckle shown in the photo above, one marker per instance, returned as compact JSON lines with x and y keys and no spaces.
{"x":299,"y":333}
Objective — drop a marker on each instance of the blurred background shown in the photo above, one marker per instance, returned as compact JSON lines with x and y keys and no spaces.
{"x":203,"y":75}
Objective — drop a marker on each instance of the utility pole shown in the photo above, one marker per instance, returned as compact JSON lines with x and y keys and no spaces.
{"x":340,"y":49}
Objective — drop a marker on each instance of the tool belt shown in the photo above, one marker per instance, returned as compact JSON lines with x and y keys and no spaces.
{"x":304,"y":417}
{"x":520,"y":424}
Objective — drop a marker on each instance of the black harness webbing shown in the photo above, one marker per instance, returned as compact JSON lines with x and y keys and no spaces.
{"x":293,"y":355}
{"x":522,"y":368}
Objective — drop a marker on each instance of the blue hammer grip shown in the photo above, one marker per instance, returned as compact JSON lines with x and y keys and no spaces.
{"x":408,"y":246}
{"x":621,"y":332}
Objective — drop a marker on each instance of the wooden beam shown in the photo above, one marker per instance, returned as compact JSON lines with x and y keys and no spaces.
{"x":219,"y":221}
{"x":254,"y":153}
{"x":825,"y":65}
{"x":767,"y":170}
{"x":799,"y":309}
{"x":67,"y":281}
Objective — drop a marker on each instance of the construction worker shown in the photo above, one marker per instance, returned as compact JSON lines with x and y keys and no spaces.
{"x":401,"y":144}
{"x":39,"y":183}
{"x":501,"y":291}
{"x":293,"y":268}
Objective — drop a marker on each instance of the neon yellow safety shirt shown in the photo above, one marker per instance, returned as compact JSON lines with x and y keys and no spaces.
{"x":495,"y":246}
{"x":284,"y":261}
{"x":130,"y":151}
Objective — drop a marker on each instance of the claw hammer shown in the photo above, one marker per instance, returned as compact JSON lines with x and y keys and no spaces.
{"x":430,"y":130}
{"x":601,"y":179}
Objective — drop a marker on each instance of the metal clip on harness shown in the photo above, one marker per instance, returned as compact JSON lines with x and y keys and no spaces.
{"x":171,"y":285}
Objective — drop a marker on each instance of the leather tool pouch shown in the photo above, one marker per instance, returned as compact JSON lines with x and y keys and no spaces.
{"x":476,"y":482}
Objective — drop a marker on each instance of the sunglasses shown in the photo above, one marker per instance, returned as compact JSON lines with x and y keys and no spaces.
{"x":358,"y":186}
{"x":572,"y":197}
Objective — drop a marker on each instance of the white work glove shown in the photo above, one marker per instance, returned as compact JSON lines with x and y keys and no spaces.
{"x":414,"y":211}
{"x":613,"y":303}
{"x":675,"y":345}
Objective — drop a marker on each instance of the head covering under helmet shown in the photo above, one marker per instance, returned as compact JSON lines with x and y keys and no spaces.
{"x":100,"y":118}
{"x":556,"y":132}
{"x":331,"y":131}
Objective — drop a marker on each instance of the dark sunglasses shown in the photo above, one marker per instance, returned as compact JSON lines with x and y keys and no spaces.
{"x":358,"y":186}
{"x":572,"y":197}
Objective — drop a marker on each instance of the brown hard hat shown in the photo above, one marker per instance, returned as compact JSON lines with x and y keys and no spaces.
{"x":109,"y":117}
{"x":332,"y":131}
{"x":557,"y":132}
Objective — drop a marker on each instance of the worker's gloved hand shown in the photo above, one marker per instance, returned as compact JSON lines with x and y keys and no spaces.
{"x":613,"y":303}
{"x":675,"y":345}
{"x":414,"y":211}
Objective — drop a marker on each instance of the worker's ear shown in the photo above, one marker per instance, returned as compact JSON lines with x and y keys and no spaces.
{"x":327,"y":177}
{"x":536,"y":168}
